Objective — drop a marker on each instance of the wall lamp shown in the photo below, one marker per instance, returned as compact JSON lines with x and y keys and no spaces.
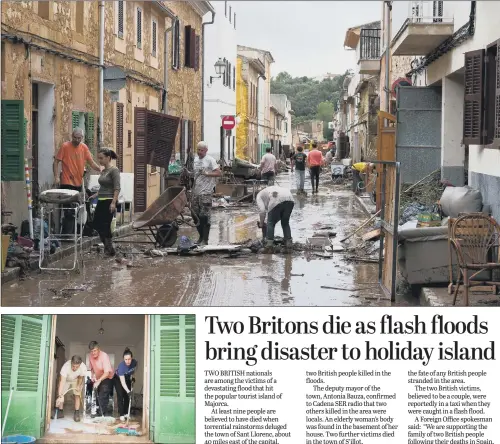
{"x":220,"y":69}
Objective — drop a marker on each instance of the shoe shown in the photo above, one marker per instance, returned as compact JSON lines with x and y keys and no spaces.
{"x":76,"y":416}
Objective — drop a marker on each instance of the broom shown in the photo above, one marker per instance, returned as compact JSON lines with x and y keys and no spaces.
{"x":128,"y":430}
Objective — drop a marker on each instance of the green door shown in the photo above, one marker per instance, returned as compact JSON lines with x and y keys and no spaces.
{"x":173,"y":379}
{"x":25,"y":363}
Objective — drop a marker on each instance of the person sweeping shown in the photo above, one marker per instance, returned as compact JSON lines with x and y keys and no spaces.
{"x":123,"y":383}
{"x":277,"y":204}
{"x":102,"y":375}
{"x":107,"y":197}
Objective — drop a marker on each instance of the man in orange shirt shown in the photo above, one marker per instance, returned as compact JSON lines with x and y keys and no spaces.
{"x":314,"y":163}
{"x":73,"y":156}
{"x":102,"y":375}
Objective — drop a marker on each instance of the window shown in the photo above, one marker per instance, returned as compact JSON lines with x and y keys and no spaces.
{"x":234,"y":20}
{"x":234,"y":78}
{"x":129,"y":139}
{"x":80,"y":16}
{"x":153,"y":38}
{"x":139,"y":28}
{"x":189,"y":47}
{"x":229,"y":75}
{"x":225,"y":9}
{"x":44,"y":10}
{"x":230,"y":13}
{"x":120,"y":14}
{"x":176,"y":45}
{"x":482,"y":97}
{"x":3,"y":62}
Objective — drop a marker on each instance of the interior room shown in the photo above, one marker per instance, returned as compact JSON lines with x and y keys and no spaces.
{"x":114,"y":333}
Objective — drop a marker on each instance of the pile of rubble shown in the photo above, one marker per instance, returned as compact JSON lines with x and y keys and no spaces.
{"x":422,"y":197}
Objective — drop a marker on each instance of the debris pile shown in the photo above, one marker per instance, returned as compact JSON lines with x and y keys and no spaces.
{"x":421,"y":197}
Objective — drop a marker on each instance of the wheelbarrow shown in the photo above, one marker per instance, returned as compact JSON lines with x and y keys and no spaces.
{"x":159,"y":223}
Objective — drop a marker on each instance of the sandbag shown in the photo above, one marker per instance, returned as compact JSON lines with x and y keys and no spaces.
{"x":456,"y":200}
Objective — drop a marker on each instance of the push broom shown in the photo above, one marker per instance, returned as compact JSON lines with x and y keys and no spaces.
{"x":128,"y":430}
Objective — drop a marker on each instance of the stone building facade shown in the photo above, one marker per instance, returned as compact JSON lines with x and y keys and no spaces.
{"x":50,"y":62}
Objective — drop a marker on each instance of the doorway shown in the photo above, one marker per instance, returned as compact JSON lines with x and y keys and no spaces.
{"x":71,"y":337}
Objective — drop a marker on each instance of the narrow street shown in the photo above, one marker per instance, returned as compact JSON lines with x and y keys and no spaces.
{"x":216,"y":280}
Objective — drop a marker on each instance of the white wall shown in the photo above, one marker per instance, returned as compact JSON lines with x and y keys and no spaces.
{"x":220,"y":42}
{"x":46,"y":101}
{"x":120,"y":331}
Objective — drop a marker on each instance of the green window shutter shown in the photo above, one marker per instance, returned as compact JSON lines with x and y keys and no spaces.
{"x":75,"y":119}
{"x":25,"y":354}
{"x":13,"y":131}
{"x":173,"y":379}
{"x":89,"y":131}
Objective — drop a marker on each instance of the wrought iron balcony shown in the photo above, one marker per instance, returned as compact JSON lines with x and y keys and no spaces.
{"x":369,"y":51}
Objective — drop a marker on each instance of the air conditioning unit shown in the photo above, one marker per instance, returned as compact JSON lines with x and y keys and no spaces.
{"x":330,"y":125}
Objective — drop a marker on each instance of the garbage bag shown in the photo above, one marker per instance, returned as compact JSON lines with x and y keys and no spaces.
{"x":175,"y":168}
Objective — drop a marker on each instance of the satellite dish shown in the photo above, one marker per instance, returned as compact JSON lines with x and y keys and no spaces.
{"x":402,"y":81}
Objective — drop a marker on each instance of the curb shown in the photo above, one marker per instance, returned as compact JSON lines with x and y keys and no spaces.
{"x":13,"y":273}
{"x":430,"y":298}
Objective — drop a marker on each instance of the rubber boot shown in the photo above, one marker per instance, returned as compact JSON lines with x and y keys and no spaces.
{"x":206,"y":233}
{"x":268,"y":247}
{"x":201,"y":229}
{"x":108,"y":247}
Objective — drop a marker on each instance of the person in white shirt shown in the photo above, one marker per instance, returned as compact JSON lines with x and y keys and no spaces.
{"x":268,"y":167}
{"x":206,"y":171}
{"x":277,"y":204}
{"x":72,"y":377}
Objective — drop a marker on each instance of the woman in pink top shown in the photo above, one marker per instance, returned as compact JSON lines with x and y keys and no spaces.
{"x":315,"y":162}
{"x":102,"y":376}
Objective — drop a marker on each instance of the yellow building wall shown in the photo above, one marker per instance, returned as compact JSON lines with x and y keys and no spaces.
{"x":242,"y":112}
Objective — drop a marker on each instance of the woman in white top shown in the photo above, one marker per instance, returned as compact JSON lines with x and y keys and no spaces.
{"x":277,"y":203}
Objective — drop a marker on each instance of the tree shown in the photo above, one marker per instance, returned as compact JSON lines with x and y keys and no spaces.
{"x":306,"y":95}
{"x":325,"y":111}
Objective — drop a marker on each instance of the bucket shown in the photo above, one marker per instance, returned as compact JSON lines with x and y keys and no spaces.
{"x":18,"y":439}
{"x":5,"y":249}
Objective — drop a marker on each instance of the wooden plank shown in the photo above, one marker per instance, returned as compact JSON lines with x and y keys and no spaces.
{"x":488,"y":289}
{"x":374,"y":234}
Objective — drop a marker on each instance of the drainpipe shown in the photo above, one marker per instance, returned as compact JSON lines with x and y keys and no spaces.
{"x":101,"y":73}
{"x":163,"y":173}
{"x":203,"y":74}
{"x":388,"y":8}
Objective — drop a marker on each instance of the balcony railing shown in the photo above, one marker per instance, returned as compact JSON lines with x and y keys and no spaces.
{"x":427,"y":12}
{"x":369,"y":44}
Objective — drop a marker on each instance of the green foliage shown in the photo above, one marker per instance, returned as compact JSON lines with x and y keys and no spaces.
{"x":311,"y":99}
{"x":325,"y":111}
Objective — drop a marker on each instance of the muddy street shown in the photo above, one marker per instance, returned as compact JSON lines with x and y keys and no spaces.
{"x":220,"y":280}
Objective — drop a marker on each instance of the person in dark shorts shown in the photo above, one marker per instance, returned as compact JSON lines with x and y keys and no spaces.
{"x":299,"y":161}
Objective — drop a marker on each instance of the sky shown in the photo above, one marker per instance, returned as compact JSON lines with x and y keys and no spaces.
{"x":306,"y":38}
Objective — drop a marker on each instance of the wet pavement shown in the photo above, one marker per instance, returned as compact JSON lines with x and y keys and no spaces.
{"x":218,"y":280}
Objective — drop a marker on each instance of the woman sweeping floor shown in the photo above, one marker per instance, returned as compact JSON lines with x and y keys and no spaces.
{"x":123,"y":382}
{"x":107,"y":196}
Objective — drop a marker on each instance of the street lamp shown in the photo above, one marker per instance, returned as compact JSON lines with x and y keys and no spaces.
{"x":220,"y":69}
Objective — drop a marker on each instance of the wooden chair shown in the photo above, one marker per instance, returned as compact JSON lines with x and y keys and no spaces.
{"x":475,"y":238}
